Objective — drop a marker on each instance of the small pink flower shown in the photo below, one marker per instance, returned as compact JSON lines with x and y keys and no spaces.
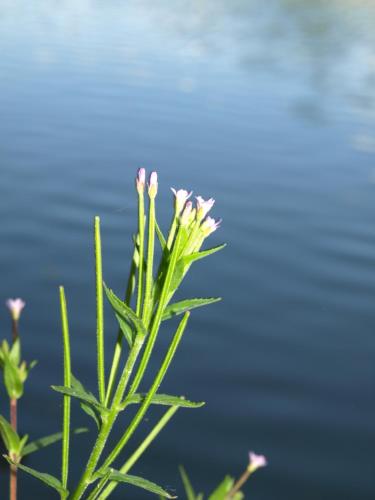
{"x":181,"y":197}
{"x":153,"y":185}
{"x":203,"y":206}
{"x":15,"y":307}
{"x":209,"y":225}
{"x":140,"y":180}
{"x":256,"y":462}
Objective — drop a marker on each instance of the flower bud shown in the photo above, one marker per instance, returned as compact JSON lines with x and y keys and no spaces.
{"x":140,"y":180}
{"x":153,"y":185}
{"x":15,"y":307}
{"x":181,"y":197}
{"x":256,"y":461}
{"x":209,"y":225}
{"x":203,"y":207}
{"x":186,"y":214}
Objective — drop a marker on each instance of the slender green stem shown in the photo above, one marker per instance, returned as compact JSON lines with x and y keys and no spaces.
{"x":99,"y":310}
{"x":99,"y":487}
{"x":157,"y":319}
{"x":141,"y":234}
{"x":120,"y":335}
{"x":140,"y":450}
{"x":148,"y":399}
{"x":147,"y":305}
{"x":67,"y":383}
{"x":108,"y":421}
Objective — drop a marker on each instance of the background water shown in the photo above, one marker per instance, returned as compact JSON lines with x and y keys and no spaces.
{"x":270,"y":108}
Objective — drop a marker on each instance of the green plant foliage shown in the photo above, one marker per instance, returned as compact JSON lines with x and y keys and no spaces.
{"x":140,"y":482}
{"x":163,"y":399}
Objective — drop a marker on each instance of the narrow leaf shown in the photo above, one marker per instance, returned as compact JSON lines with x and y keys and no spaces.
{"x":9,"y":435}
{"x":12,"y":380}
{"x":47,"y":479}
{"x":188,"y":259}
{"x":139,"y":482}
{"x":92,"y":412}
{"x":220,"y":493}
{"x":165,"y":400}
{"x":161,"y":238}
{"x":125,"y":311}
{"x":76,"y":393}
{"x":187,"y":305}
{"x":125,"y":329}
{"x":43,"y":442}
{"x":189,"y":490}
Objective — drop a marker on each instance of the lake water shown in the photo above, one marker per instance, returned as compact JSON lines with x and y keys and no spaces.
{"x":269,"y":107}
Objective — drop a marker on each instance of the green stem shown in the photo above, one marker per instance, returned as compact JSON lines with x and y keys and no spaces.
{"x":141,"y":233}
{"x":67,"y":383}
{"x":99,"y":310}
{"x":108,"y":421}
{"x":148,"y":399}
{"x":140,"y":450}
{"x":120,"y":335}
{"x":157,"y":320}
{"x":147,"y":306}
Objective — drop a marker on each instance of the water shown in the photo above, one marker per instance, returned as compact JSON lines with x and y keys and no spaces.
{"x":268,"y":107}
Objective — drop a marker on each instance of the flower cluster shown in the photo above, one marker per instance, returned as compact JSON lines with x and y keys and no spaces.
{"x":194,"y":219}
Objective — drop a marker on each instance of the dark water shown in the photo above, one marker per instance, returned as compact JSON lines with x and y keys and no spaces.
{"x":270,"y":108}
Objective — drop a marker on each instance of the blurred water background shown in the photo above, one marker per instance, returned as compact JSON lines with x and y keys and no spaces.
{"x":270,"y":108}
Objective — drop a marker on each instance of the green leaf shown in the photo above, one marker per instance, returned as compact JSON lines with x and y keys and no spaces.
{"x":186,"y":305}
{"x":125,"y":311}
{"x":163,"y":399}
{"x":79,"y":394}
{"x":15,"y":352}
{"x":137,"y":481}
{"x":92,"y":412}
{"x":161,"y":238}
{"x":47,"y":479}
{"x":126,"y":330}
{"x":188,"y":259}
{"x":189,"y":490}
{"x":10,"y":436}
{"x":43,"y":442}
{"x":12,"y":378}
{"x":223,"y":489}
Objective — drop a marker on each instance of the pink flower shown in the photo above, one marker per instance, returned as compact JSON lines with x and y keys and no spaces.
{"x":153,"y":185}
{"x":15,"y":307}
{"x":203,"y":206}
{"x":209,"y":225}
{"x":256,"y":462}
{"x":140,"y":180}
{"x":181,"y":197}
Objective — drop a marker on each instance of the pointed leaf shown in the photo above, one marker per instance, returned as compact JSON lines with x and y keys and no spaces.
{"x":189,"y":490}
{"x":9,"y":435}
{"x":186,"y":305}
{"x":165,"y":400}
{"x":220,"y":493}
{"x":12,"y":380}
{"x":79,"y":394}
{"x":125,"y":311}
{"x":15,"y":352}
{"x":43,"y":442}
{"x":92,"y":412}
{"x":161,"y":238}
{"x":137,"y":481}
{"x":188,"y":259}
{"x":126,"y":330}
{"x":47,"y":479}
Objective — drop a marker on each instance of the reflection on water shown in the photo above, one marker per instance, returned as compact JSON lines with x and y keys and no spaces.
{"x":268,"y":107}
